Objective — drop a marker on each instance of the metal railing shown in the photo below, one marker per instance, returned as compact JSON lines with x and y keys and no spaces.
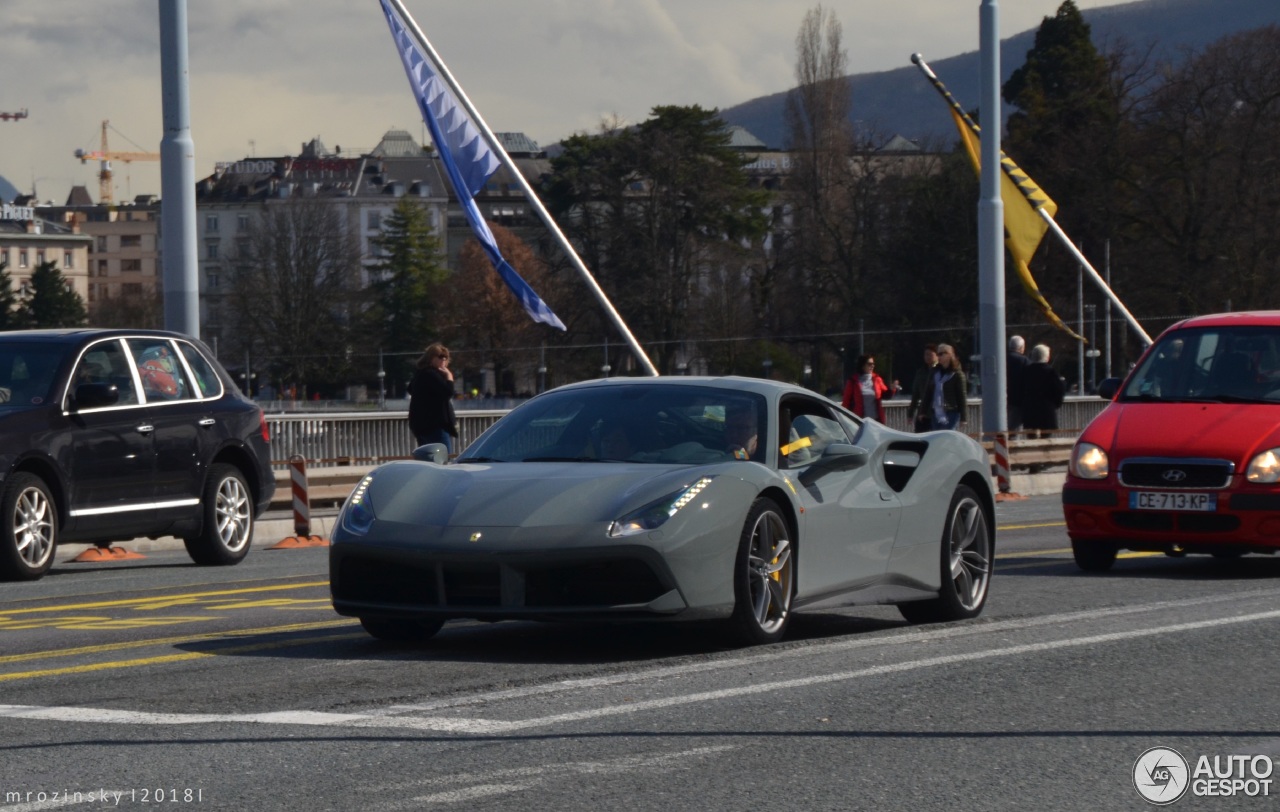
{"x":359,"y":438}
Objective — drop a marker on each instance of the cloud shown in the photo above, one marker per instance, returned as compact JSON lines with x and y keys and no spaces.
{"x":279,"y":72}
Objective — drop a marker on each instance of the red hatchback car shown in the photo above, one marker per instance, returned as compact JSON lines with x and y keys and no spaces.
{"x":1186,"y":458}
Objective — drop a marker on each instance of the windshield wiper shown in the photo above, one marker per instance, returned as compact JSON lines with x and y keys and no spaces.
{"x":560,"y":459}
{"x":478,"y":459}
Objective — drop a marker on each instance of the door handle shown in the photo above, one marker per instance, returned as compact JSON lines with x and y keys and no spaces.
{"x":146,"y":429}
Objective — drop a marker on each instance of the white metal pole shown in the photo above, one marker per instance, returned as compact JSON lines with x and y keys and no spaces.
{"x":1075,"y":252}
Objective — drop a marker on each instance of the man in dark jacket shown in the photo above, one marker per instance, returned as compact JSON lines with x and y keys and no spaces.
{"x":1015,"y":380}
{"x":1042,"y":394}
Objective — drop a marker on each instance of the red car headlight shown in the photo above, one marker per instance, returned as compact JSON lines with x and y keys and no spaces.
{"x":1089,"y":461}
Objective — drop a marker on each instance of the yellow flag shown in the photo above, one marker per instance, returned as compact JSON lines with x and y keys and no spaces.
{"x":1023,"y":227}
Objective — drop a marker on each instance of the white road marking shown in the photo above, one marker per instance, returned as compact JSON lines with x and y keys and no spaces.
{"x":518,"y":779}
{"x":474,"y":726}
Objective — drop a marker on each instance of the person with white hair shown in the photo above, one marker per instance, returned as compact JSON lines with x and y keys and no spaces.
{"x":1042,"y":394}
{"x":1015,"y":380}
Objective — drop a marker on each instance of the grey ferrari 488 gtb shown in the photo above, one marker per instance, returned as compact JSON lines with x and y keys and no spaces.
{"x":730,"y":499}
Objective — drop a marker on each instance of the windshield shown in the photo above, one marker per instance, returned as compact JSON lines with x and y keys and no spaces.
{"x":644,"y":423}
{"x":1225,"y":364}
{"x":26,"y":373}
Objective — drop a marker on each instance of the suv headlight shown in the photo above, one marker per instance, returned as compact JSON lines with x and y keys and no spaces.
{"x":656,"y":513}
{"x":1265,"y":467}
{"x":1089,"y":461}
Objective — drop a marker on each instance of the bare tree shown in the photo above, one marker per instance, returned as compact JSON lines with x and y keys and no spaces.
{"x":296,"y":293}
{"x":135,"y":310}
{"x":487,"y":324}
{"x":1208,"y":178}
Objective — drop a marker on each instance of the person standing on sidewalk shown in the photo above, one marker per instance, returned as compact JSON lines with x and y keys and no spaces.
{"x":1044,"y":394}
{"x":1015,"y":380}
{"x":865,"y":391}
{"x":431,"y":416}
{"x":947,"y":396}
{"x":918,"y":411}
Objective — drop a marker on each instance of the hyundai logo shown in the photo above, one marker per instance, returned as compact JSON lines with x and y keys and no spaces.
{"x":1173,"y":475}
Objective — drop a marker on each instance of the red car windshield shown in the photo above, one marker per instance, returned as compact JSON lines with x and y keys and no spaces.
{"x":1225,"y":364}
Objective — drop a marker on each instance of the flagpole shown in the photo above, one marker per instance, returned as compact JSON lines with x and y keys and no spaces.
{"x":532,"y":197}
{"x":1037,"y":205}
{"x":1102,"y":283}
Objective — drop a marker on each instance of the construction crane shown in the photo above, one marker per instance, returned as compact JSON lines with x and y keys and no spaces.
{"x":14,"y":116}
{"x":104,"y":157}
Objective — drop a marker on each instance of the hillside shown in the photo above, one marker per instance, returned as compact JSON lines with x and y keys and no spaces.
{"x":902,"y":102}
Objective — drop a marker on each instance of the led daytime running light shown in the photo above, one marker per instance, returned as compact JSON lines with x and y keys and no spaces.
{"x":689,"y":495}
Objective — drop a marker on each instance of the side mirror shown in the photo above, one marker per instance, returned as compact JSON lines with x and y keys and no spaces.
{"x":432,"y":452}
{"x":840,"y":457}
{"x":1109,"y":387}
{"x":93,"y":395}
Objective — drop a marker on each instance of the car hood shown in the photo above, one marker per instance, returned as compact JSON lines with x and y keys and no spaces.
{"x":521,"y":494}
{"x":1231,"y":431}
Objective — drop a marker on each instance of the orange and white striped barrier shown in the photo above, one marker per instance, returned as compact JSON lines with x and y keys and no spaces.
{"x":1000,"y":448}
{"x":302,"y":535}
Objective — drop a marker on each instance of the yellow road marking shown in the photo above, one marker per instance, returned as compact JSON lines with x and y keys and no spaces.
{"x":1029,"y":526}
{"x":1028,"y":553}
{"x":165,"y":601}
{"x":166,"y":641}
{"x":159,"y":588}
{"x":174,"y":658}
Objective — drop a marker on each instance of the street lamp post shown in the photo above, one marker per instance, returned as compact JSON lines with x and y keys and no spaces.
{"x":768,"y":368}
{"x":382,"y":383}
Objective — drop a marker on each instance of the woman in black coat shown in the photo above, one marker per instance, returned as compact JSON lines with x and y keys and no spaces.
{"x":1042,"y":393}
{"x":431,"y":417}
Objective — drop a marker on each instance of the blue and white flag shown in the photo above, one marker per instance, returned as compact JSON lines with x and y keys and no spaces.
{"x":467,"y":159}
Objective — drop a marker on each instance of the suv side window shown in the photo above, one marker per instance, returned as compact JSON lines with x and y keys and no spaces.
{"x":163,"y":376}
{"x":206,"y":378}
{"x":106,"y":362}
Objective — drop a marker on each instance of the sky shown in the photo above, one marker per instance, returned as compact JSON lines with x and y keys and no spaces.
{"x":268,"y":75}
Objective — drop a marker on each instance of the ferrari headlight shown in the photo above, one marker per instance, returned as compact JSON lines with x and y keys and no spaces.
{"x":1088,"y":461}
{"x":656,"y":513}
{"x":1264,"y":468}
{"x":357,"y":513}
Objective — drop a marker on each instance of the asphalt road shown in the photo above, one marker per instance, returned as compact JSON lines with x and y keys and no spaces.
{"x":239,"y":688}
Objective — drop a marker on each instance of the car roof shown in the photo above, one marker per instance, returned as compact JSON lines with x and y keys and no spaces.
{"x":75,"y":335}
{"x":1249,"y":318}
{"x":760,"y":386}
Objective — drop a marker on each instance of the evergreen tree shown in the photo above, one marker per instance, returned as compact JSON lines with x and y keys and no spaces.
{"x":53,"y":303}
{"x":405,"y":315}
{"x":11,"y":315}
{"x":1070,"y":136}
{"x":662,"y":204}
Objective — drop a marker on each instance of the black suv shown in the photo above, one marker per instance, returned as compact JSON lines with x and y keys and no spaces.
{"x":108,"y":435}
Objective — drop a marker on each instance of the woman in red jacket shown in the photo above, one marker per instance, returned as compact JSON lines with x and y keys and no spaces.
{"x":865,"y":391}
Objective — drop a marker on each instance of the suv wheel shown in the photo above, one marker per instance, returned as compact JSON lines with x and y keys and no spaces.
{"x":227,"y":527}
{"x":29,"y":533}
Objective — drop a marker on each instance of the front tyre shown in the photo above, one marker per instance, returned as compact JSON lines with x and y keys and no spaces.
{"x":763,"y":576}
{"x":400,"y":630}
{"x":1093,"y":556}
{"x":966,"y":547}
{"x":30,"y":532}
{"x":227,"y":526}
